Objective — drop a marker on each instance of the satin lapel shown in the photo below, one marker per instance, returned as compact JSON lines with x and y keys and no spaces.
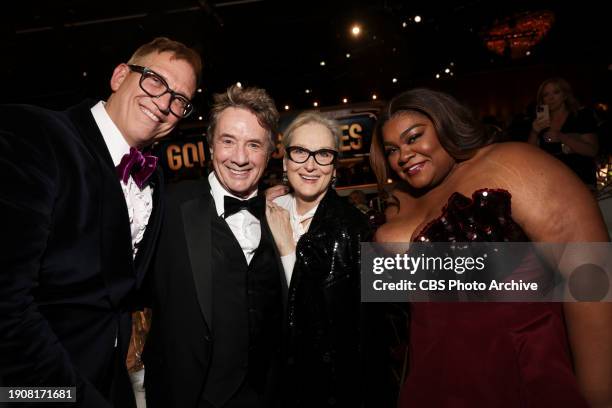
{"x":147,"y":245}
{"x":113,"y":209}
{"x":197,"y":224}
{"x":267,"y":235}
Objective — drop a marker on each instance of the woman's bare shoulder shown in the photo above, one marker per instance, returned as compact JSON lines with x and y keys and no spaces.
{"x":394,"y":230}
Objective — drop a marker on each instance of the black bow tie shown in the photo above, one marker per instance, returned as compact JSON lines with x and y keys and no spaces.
{"x":232,"y":205}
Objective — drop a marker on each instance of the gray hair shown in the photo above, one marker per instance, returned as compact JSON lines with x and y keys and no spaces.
{"x":308,"y":118}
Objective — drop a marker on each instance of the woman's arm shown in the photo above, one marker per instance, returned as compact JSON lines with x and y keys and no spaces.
{"x":552,"y":205}
{"x":585,"y":144}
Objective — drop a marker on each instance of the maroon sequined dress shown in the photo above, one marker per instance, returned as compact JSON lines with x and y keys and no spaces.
{"x":487,"y":354}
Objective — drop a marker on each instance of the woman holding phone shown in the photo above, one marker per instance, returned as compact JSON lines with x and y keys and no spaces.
{"x":565,"y":130}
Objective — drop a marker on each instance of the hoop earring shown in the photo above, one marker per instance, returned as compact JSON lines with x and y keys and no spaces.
{"x":333,"y":182}
{"x":285,"y":179}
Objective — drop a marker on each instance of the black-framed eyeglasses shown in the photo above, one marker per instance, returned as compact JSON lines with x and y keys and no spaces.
{"x":156,"y":86}
{"x":323,"y":157}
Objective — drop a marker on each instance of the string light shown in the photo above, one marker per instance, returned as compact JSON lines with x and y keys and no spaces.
{"x":417,"y":19}
{"x":286,"y":107}
{"x":344,"y":100}
{"x":315,"y":104}
{"x":374,"y":97}
{"x":307,"y":91}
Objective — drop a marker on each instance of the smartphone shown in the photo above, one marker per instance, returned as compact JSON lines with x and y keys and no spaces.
{"x":542,"y":112}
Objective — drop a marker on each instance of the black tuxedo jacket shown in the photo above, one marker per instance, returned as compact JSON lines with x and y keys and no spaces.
{"x":67,"y":276}
{"x":178,"y":351}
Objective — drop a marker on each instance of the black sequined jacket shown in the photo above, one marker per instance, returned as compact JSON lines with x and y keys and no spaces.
{"x":324,"y":316}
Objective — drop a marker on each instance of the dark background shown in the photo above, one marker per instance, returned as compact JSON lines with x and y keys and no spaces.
{"x":54,"y":53}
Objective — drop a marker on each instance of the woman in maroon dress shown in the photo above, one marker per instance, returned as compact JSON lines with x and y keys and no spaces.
{"x":453,"y":185}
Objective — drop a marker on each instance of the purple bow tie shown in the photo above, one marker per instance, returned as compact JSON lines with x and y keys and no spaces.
{"x":139,"y":165}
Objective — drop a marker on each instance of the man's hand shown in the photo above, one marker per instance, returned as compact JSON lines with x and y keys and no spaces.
{"x":276,"y":191}
{"x":278,"y":220}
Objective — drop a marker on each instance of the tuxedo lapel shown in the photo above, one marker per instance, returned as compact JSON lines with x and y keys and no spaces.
{"x":86,"y":125}
{"x":196,"y":216}
{"x":266,"y":233}
{"x":113,"y":206}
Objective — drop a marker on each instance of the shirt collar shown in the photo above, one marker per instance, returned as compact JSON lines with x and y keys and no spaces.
{"x":301,"y":218}
{"x":218,"y":192}
{"x":115,"y":142}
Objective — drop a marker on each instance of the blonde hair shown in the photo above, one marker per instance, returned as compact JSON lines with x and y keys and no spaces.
{"x":571,"y":103}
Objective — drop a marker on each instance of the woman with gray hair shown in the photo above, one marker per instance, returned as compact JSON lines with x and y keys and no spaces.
{"x":318,"y":235}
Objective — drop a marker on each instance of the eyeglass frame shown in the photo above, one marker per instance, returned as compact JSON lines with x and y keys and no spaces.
{"x":312,"y":154}
{"x":173,"y":94}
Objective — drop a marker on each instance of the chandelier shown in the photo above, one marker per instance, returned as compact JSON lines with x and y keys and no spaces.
{"x":516,"y":35}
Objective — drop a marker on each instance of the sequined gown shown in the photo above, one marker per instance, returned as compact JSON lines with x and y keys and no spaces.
{"x":487,"y":354}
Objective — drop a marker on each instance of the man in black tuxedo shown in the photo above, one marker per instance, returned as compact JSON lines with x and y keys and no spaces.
{"x":217,"y":285}
{"x":80,"y":215}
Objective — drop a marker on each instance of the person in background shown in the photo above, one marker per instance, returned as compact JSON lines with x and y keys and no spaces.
{"x":359,"y":200}
{"x":458,"y":187}
{"x":565,"y":130}
{"x":318,"y":236}
{"x":80,"y":215}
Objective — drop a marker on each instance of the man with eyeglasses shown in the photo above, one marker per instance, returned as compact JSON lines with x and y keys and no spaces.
{"x":80,"y":215}
{"x":218,"y":285}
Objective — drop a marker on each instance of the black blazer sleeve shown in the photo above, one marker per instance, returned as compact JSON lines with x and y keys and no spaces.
{"x":30,"y":353}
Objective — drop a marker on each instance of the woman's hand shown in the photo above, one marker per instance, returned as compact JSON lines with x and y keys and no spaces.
{"x":552,"y":136}
{"x":539,"y":124}
{"x":278,"y":220}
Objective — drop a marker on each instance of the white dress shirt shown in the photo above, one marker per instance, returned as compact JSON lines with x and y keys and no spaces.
{"x":244,"y":225}
{"x":297,"y":226}
{"x":139,"y":202}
